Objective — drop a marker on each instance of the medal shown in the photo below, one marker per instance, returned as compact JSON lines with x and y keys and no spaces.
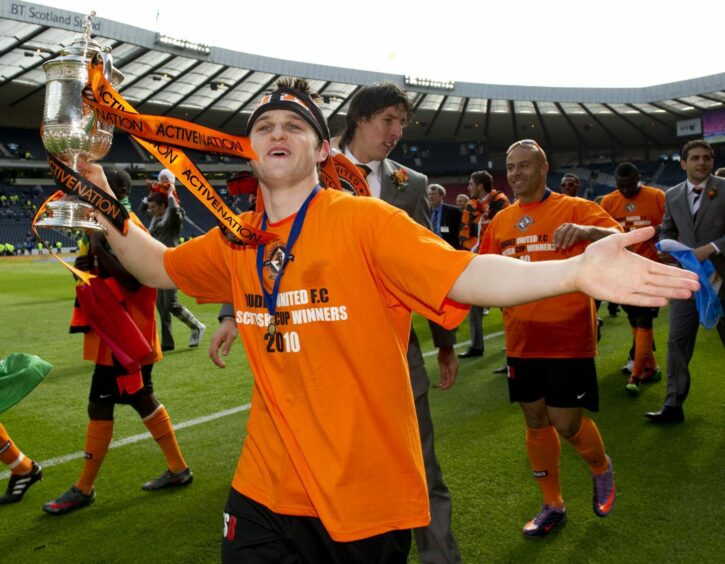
{"x":270,"y":299}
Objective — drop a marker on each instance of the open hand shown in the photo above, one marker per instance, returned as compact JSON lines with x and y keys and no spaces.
{"x":609,"y":272}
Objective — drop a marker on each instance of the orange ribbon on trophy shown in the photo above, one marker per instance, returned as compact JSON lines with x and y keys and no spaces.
{"x":164,"y":138}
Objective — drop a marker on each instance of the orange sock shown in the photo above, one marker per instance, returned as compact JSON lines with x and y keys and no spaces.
{"x":10,"y":454}
{"x":588,"y":443}
{"x":159,"y":425}
{"x":98,"y":437}
{"x":644,"y":357}
{"x":544,"y":448}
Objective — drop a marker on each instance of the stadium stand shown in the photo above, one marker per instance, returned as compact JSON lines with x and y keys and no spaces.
{"x":587,"y":131}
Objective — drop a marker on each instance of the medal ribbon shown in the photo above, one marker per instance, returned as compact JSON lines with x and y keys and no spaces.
{"x":270,"y":300}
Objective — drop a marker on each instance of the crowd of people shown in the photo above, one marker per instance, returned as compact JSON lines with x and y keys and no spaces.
{"x":339,"y":461}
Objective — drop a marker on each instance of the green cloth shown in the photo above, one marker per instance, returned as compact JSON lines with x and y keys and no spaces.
{"x":19,"y":374}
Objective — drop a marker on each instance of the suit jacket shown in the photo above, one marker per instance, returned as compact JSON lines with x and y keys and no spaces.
{"x":412,"y":197}
{"x":710,"y":224}
{"x":450,"y":225}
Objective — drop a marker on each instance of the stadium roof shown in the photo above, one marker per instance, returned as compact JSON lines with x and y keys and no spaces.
{"x":219,"y":88}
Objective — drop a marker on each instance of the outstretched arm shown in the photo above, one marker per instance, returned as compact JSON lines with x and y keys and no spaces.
{"x":606,"y":271}
{"x":140,"y":254}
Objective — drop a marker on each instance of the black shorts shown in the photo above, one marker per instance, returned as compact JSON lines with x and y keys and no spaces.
{"x":562,"y":382}
{"x":253,"y":533}
{"x":105,"y":390}
{"x":637,"y":311}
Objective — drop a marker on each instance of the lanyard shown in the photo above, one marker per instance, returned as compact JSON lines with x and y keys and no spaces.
{"x":270,"y":300}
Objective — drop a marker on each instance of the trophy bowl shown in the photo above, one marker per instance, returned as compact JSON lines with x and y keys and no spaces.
{"x":70,"y":131}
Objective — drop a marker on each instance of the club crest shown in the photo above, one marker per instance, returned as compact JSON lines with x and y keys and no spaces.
{"x":347,"y":186}
{"x":631,"y":206}
{"x":274,"y":263}
{"x":524,"y":223}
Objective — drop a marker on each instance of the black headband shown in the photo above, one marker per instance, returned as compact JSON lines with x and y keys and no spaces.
{"x":286,"y":98}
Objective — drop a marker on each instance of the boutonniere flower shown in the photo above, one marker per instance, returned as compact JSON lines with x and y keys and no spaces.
{"x":712,"y":193}
{"x":400,"y":179}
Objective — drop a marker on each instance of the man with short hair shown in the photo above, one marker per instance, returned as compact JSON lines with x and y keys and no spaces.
{"x":445,"y":219}
{"x":167,"y":217}
{"x":693,"y":216}
{"x":635,"y":205}
{"x":374,"y":125}
{"x":552,"y":377}
{"x":332,"y":466}
{"x":461,"y":201}
{"x":570,"y":184}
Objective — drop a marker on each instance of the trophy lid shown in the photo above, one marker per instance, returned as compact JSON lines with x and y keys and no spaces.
{"x":82,"y":50}
{"x":85,"y":45}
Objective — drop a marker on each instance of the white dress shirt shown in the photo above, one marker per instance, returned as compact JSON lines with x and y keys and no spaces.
{"x":374,"y":178}
{"x":692,"y":199}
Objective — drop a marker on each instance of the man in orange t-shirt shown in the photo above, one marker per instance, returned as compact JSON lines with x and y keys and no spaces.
{"x":331,"y":469}
{"x":634,"y":205}
{"x":551,"y":375}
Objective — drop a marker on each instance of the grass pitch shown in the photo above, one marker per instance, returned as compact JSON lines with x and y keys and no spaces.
{"x":670,"y":479}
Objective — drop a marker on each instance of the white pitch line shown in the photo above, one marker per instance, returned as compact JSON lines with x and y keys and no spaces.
{"x":184,"y":424}
{"x":459,"y":345}
{"x":140,"y":437}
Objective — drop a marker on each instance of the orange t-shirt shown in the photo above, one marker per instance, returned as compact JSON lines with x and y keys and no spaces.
{"x":141,"y":307}
{"x":560,"y":327}
{"x":468,"y":235}
{"x":645,"y":209}
{"x":332,"y":431}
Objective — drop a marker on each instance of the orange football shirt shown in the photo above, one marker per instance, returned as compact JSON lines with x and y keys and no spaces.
{"x":332,"y":431}
{"x":559,"y":327}
{"x":645,"y":209}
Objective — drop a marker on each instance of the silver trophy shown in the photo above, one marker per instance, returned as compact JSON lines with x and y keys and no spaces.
{"x":70,"y":130}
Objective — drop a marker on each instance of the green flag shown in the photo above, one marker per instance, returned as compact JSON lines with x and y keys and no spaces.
{"x":19,"y":374}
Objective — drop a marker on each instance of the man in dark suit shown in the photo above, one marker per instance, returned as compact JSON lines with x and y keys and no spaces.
{"x":695,"y":216}
{"x":445,"y":219}
{"x":374,"y":125}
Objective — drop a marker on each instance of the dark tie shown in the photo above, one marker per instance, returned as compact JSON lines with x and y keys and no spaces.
{"x":364,"y":170}
{"x":698,"y":192}
{"x":435,"y":218}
